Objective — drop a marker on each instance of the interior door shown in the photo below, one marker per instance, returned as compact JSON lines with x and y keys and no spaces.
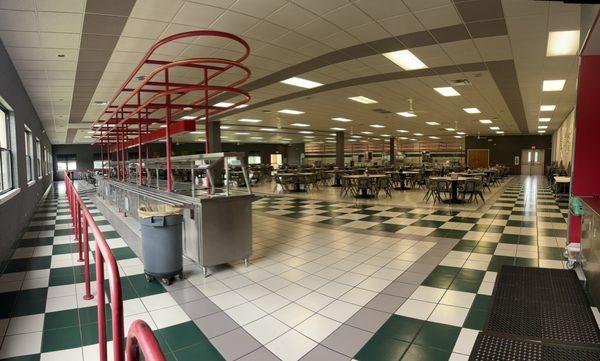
{"x":478,"y":158}
{"x":276,"y":160}
{"x":532,"y":161}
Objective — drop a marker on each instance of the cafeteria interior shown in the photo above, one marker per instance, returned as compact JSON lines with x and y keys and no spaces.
{"x":284,"y":180}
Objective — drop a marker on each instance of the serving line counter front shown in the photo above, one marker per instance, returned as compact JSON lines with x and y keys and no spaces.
{"x":217,"y":221}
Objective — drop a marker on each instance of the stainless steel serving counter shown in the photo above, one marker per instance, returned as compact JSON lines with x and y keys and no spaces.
{"x":590,"y":244}
{"x":217,"y":228}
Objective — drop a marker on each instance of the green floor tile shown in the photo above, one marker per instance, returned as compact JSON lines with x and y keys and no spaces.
{"x":437,"y":335}
{"x":380,"y":348}
{"x":465,"y":285}
{"x":448,"y":233}
{"x":526,"y":262}
{"x":30,"y":302}
{"x":182,"y":335}
{"x":61,"y":339}
{"x":475,"y":319}
{"x":144,"y":288}
{"x":89,"y":333}
{"x":384,"y":227}
{"x":34,"y":357}
{"x":470,"y":275}
{"x":123,"y":253}
{"x":46,"y":227}
{"x":439,"y":281}
{"x":63,"y":232}
{"x":200,"y":351}
{"x":497,"y":262}
{"x":553,"y":253}
{"x":419,"y":353}
{"x":509,"y":238}
{"x":61,"y":319}
{"x":400,"y":328}
{"x":7,"y":302}
{"x":89,"y":315}
{"x":28,"y":264}
{"x":36,"y":242}
{"x":111,"y":234}
{"x":482,"y":302}
{"x":65,"y":248}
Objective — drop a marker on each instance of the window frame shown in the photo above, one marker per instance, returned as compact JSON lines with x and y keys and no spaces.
{"x":29,"y":160}
{"x":38,"y":158}
{"x":6,"y":152}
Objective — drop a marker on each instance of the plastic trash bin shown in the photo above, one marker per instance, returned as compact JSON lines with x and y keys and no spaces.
{"x":161,"y":242}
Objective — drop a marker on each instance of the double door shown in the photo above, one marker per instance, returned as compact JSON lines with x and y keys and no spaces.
{"x":532,"y":161}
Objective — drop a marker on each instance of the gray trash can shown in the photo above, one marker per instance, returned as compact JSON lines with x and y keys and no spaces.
{"x":161,"y":242}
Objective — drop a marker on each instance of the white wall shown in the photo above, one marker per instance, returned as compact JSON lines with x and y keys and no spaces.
{"x":562,"y":141}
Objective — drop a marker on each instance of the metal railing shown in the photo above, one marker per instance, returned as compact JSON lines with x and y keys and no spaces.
{"x":140,"y":337}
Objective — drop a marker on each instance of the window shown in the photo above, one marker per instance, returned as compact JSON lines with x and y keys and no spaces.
{"x":38,"y":158}
{"x":5,"y":154}
{"x":29,"y":154}
{"x":44,"y":163}
{"x":254,"y":159}
{"x":49,"y":162}
{"x":66,"y":162}
{"x":98,"y":164}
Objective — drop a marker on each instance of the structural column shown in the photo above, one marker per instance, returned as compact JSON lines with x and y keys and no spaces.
{"x":392,"y":151}
{"x":213,"y":136}
{"x":339,"y":149}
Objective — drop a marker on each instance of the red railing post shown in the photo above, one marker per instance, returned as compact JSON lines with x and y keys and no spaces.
{"x":168,"y":132}
{"x":78,"y":230}
{"x":100,"y":305}
{"x":86,"y":256}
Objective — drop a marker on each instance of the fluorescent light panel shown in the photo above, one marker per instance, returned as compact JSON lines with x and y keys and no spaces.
{"x":450,"y":129}
{"x":363,"y":100}
{"x":402,"y":131}
{"x":547,"y":108}
{"x":553,"y":85}
{"x":407,"y":114}
{"x":247,"y":120}
{"x":561,"y":43}
{"x":405,"y":59}
{"x":290,"y":111}
{"x":303,"y":125}
{"x":544,"y":120}
{"x":447,"y":91}
{"x":302,"y":83}
{"x":338,"y":129}
{"x":485,"y":121}
{"x":377,"y":126}
{"x":472,"y":110}
{"x":495,"y":128}
{"x":433,"y":123}
{"x":339,"y":119}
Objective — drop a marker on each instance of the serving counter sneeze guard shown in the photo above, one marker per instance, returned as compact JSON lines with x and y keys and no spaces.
{"x":217,"y":221}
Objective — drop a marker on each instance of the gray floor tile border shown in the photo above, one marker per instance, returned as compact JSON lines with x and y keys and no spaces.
{"x":216,"y":324}
{"x":368,"y":319}
{"x":260,"y":354}
{"x":347,"y":340}
{"x":322,"y":353}
{"x":235,"y":344}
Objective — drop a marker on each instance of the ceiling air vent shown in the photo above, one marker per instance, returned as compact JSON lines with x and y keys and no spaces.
{"x":460,"y":82}
{"x":382,"y":111}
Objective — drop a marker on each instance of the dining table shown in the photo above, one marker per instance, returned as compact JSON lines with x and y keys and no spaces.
{"x":297,"y":179}
{"x":453,"y":188}
{"x":337,"y":176}
{"x":364,"y":192}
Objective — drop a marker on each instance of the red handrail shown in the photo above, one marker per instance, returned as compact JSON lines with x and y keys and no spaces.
{"x":82,"y":216}
{"x":141,"y":338}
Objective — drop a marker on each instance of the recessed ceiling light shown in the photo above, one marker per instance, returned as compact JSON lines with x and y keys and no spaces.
{"x":461,"y":133}
{"x":413,"y":139}
{"x":450,"y":129}
{"x":100,"y":102}
{"x":433,"y":123}
{"x":544,"y":120}
{"x":338,"y":119}
{"x":418,"y":134}
{"x":485,"y":121}
{"x":472,"y":110}
{"x":309,"y":136}
{"x":542,"y":127}
{"x":305,"y":132}
{"x":187,"y":108}
{"x":547,"y":108}
{"x":91,"y":132}
{"x":541,"y":131}
{"x":402,"y":131}
{"x":303,"y":125}
{"x":495,"y":128}
{"x":224,"y":127}
{"x":286,"y":138}
{"x":405,"y":59}
{"x":246,"y":120}
{"x":562,"y":43}
{"x":87,"y":136}
{"x":407,"y":114}
{"x":241,"y":133}
{"x":447,"y":91}
{"x":457,"y":136}
{"x":377,"y":126}
{"x":433,"y":137}
{"x":363,"y":100}
{"x":197,"y":132}
{"x":163,"y":125}
{"x":290,"y":111}
{"x":241,"y":106}
{"x":302,"y":83}
{"x":256,"y":137}
{"x":383,"y":135}
{"x":499,"y":132}
{"x":553,"y":85}
{"x":355,"y":136}
{"x":338,"y":129}
{"x":404,"y":138}
{"x":367,"y":132}
{"x":188,"y":117}
{"x":268,"y":129}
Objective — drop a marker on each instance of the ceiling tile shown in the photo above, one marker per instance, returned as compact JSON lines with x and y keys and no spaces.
{"x":138,"y":28}
{"x":257,"y":8}
{"x":291,"y":16}
{"x":438,"y":17}
{"x":156,"y":9}
{"x":197,"y":15}
{"x":17,"y":20}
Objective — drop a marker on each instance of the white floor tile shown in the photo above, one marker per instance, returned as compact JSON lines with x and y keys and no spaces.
{"x":245,"y":313}
{"x":449,"y":315}
{"x":416,"y":309}
{"x":291,"y":346}
{"x":292,"y":314}
{"x":266,"y":329}
{"x":317,"y":327}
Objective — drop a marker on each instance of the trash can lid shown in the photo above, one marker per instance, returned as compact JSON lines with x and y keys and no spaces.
{"x":162,"y":210}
